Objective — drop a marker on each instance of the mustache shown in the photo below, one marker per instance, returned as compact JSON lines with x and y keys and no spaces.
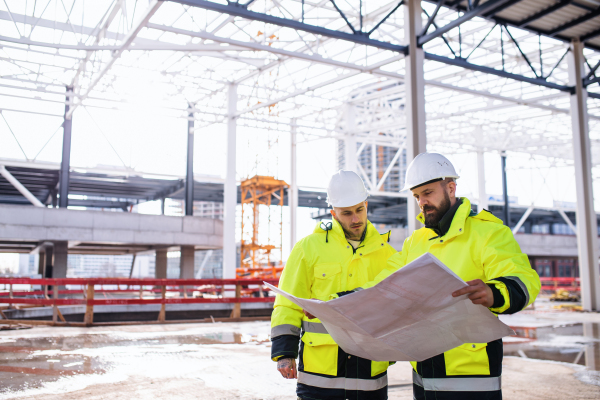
{"x":428,"y":208}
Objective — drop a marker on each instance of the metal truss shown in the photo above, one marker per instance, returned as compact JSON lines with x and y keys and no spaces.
{"x":300,"y":63}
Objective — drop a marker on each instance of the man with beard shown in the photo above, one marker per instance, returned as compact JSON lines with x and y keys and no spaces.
{"x":481,"y":251}
{"x":338,"y":256}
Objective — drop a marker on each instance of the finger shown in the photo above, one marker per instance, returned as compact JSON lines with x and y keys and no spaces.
{"x":476,"y":295}
{"x":465,"y":290}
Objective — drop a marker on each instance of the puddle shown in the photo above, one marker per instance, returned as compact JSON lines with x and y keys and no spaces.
{"x":30,"y":362}
{"x":570,"y":343}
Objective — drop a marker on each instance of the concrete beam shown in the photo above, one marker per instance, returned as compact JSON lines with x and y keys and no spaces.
{"x":230,"y":201}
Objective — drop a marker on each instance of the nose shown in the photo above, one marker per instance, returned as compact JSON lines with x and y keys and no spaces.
{"x":355,"y":219}
{"x":422,"y":202}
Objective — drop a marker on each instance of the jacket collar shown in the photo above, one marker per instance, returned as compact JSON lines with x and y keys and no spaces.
{"x":457,"y":226}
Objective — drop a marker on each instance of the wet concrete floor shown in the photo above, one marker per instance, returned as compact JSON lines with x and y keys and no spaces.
{"x":232,"y":361}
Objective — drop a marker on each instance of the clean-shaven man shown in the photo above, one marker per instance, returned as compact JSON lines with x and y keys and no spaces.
{"x":338,"y":256}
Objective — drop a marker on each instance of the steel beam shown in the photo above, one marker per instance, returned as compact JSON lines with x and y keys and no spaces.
{"x":587,"y":226}
{"x":145,"y":17}
{"x":293,"y":199}
{"x":505,"y":211}
{"x":482,"y":202}
{"x":189,"y":177}
{"x":230,"y":190}
{"x":575,"y":22}
{"x":65,"y":164}
{"x":487,"y":6}
{"x":19,"y":186}
{"x":239,"y":11}
{"x":414,"y":108}
{"x":544,"y":12}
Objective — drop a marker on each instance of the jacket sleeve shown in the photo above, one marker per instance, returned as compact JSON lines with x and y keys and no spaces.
{"x":507,"y":270}
{"x":286,"y":320}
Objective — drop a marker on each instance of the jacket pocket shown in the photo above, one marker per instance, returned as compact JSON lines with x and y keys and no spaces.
{"x":320,"y":354}
{"x":327,"y":280}
{"x":467,"y":359}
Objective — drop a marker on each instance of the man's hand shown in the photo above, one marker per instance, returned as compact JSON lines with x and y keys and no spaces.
{"x":287,"y":368}
{"x":480,"y":293}
{"x":309,"y":315}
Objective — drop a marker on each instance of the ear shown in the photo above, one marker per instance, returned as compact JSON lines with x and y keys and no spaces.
{"x":332,"y":213}
{"x":366,"y":205}
{"x":451,"y":189}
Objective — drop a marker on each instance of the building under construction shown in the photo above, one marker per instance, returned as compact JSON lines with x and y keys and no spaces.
{"x":160,"y":159}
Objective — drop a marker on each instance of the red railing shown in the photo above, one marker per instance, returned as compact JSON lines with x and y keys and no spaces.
{"x":183,"y":291}
{"x":553,"y":283}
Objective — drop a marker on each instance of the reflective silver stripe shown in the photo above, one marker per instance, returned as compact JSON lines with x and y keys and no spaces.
{"x":342,"y":383}
{"x":484,"y":384}
{"x":357,"y":289}
{"x":313,"y":327}
{"x":523,"y":287}
{"x":285,"y":329}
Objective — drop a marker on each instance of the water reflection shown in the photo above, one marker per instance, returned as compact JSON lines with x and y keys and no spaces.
{"x":571,"y":343}
{"x":27,"y":363}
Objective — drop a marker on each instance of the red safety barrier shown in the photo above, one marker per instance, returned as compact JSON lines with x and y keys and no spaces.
{"x":90,"y":287}
{"x":553,"y":283}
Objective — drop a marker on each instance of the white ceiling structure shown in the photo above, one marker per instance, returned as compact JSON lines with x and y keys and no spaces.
{"x":164,"y":56}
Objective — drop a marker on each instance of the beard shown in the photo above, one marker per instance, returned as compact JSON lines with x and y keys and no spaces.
{"x":432,"y":219}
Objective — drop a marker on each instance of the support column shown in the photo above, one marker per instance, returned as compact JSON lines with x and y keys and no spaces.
{"x":587,"y":226}
{"x":186,"y":262}
{"x":162,"y":206}
{"x":506,"y":211}
{"x":160,"y":270}
{"x":414,"y":82}
{"x":49,"y":262}
{"x":189,"y":177}
{"x":374,"y":176}
{"x":483,"y":200}
{"x":230,"y":201}
{"x":350,"y":160}
{"x":61,"y":251}
{"x":293,"y":199}
{"x":65,"y":164}
{"x":41,"y":262}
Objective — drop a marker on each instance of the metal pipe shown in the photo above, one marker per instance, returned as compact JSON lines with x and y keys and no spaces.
{"x":65,"y":163}
{"x":506,"y":214}
{"x":189,"y":177}
{"x":22,"y":189}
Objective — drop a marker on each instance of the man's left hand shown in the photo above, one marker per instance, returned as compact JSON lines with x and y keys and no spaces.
{"x":479,"y":293}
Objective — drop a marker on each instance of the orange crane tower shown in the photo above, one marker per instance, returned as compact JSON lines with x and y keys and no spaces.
{"x":255,"y":257}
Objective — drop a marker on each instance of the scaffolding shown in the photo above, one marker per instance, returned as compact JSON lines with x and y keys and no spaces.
{"x":256,"y":257}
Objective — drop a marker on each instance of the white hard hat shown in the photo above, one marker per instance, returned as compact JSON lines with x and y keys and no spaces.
{"x":346,"y":189}
{"x":428,"y":167}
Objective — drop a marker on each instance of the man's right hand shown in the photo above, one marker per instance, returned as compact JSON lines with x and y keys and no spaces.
{"x":287,"y":368}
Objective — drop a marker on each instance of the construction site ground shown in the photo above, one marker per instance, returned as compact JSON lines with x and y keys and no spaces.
{"x":232,"y":361}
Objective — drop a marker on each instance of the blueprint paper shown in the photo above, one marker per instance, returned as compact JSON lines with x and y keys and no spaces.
{"x":409,"y":316}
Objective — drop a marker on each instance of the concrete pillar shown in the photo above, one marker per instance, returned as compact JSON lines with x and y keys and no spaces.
{"x":49,"y":262}
{"x":293,"y":199}
{"x":65,"y":164}
{"x":41,"y":262}
{"x":482,"y":203}
{"x":414,"y":82}
{"x":587,"y":226}
{"x":189,"y":177}
{"x":61,"y":251}
{"x":186,"y":262}
{"x":230,"y":200}
{"x":592,"y":350}
{"x":350,"y":159}
{"x":160,"y":270}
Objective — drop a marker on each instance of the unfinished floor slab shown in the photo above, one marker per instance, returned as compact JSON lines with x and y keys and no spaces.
{"x":206,"y":361}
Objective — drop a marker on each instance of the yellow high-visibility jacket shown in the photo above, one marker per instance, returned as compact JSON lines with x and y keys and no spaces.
{"x":319,"y":265}
{"x":476,"y":246}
